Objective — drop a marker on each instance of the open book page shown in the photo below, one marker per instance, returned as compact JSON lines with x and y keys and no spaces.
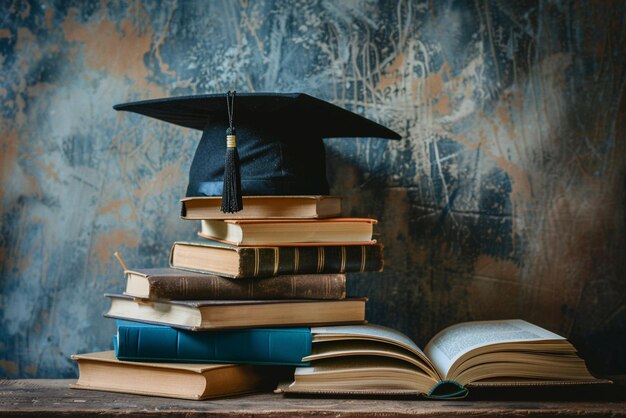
{"x":453,"y":342}
{"x":369,"y":332}
{"x":362,"y":373}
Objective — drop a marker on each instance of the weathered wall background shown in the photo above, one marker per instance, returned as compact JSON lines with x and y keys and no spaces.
{"x":504,"y":199}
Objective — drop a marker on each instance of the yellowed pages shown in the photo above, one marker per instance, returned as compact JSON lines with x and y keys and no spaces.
{"x":449,"y":346}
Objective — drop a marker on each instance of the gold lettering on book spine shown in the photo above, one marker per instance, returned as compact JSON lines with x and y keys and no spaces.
{"x":343,"y":260}
{"x":320,"y":259}
{"x":256,"y":262}
{"x":276,"y":260}
{"x":363,"y":258}
{"x":296,"y":260}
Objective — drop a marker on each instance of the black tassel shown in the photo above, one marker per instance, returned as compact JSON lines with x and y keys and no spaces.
{"x":231,"y":193}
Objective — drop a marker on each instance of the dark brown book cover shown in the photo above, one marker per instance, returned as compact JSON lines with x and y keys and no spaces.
{"x":169,"y":283}
{"x":268,"y":261}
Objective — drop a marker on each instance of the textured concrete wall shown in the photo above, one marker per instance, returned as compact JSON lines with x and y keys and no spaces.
{"x":504,"y":199}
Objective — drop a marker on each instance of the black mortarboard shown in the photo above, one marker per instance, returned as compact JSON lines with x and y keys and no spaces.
{"x":279,"y":139}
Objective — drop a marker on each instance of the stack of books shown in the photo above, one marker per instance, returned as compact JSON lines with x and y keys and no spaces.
{"x":239,"y":299}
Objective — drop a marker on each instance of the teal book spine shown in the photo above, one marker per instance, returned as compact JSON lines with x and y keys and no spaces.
{"x":263,"y":346}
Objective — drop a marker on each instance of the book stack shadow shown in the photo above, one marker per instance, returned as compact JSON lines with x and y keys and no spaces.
{"x":234,"y":310}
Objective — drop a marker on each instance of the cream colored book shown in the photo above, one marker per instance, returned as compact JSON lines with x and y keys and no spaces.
{"x":102,"y":371}
{"x":336,"y":231}
{"x":200,"y":315}
{"x":263,"y":207}
{"x":371,"y":359}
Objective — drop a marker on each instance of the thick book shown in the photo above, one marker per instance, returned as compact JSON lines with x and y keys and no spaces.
{"x":263,"y":207}
{"x":223,"y":314}
{"x":102,"y":371}
{"x":370,"y":359}
{"x":332,"y":231}
{"x":137,"y":341}
{"x":169,"y":283}
{"x":267,"y":261}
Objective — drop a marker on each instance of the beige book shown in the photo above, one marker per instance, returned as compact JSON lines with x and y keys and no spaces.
{"x":223,"y":314}
{"x":337,"y":231}
{"x":102,"y":371}
{"x":371,"y":359}
{"x":263,"y":207}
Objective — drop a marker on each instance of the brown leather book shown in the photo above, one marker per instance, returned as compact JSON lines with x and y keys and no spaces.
{"x":267,"y":261}
{"x":169,"y":283}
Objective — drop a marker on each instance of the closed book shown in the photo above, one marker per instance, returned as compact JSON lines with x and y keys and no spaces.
{"x":264,"y":346}
{"x":223,"y":314}
{"x":102,"y":371}
{"x":169,"y":283}
{"x":263,"y":207}
{"x":266,"y":261}
{"x":249,"y":232}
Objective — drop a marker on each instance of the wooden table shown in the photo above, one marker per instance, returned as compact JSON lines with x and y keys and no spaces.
{"x":54,"y":398}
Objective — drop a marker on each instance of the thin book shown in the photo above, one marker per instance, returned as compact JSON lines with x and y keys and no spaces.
{"x":264,"y":207}
{"x":251,"y":232}
{"x":202,"y":315}
{"x":169,"y":283}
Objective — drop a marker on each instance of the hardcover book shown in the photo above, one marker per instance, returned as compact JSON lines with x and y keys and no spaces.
{"x":332,"y":231}
{"x":371,"y":359}
{"x":263,"y":207}
{"x":102,"y":371}
{"x":137,"y":341}
{"x":266,"y":261}
{"x":169,"y":283}
{"x":221,"y":314}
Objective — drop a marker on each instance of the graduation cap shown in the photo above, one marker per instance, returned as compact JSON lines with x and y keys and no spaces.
{"x":277,"y":150}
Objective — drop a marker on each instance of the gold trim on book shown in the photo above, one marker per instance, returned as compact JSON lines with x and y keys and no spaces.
{"x":256,"y":262}
{"x":276,"y":260}
{"x":363,"y":258}
{"x":320,"y":259}
{"x":342,"y":269}
{"x":296,"y":260}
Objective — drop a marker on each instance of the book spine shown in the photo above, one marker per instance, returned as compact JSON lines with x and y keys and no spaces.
{"x":153,"y":343}
{"x":323,"y":286}
{"x":272,"y":261}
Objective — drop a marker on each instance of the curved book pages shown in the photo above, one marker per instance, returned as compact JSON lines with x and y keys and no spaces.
{"x":371,"y":359}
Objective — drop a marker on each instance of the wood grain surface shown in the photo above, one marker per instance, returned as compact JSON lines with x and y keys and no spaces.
{"x":54,"y":398}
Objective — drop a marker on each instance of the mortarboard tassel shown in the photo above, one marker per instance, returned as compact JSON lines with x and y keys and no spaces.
{"x":231,"y":193}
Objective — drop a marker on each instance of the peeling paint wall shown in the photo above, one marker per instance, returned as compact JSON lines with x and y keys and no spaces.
{"x":504,"y":199}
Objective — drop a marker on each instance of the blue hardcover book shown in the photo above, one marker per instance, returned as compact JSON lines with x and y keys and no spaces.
{"x":265,"y":346}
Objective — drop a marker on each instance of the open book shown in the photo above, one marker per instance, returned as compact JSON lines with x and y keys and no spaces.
{"x":371,"y":359}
